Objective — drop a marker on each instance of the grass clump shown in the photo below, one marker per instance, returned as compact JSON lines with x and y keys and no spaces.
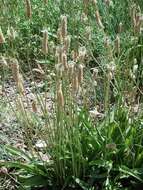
{"x":82,"y":129}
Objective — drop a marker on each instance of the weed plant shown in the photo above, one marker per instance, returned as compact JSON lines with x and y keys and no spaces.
{"x":88,"y":54}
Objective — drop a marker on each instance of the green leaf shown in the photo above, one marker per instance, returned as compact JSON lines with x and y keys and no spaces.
{"x":18,"y":152}
{"x":82,"y":184}
{"x":130,"y":172}
{"x":102,"y":163}
{"x":33,"y":181}
{"x":29,"y":168}
{"x":43,"y":61}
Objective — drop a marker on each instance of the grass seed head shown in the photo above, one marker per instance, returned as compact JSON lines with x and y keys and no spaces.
{"x":28,"y":8}
{"x":85,"y":2}
{"x":58,"y":54}
{"x":107,"y":2}
{"x":63,"y":26}
{"x":135,"y":69}
{"x":84,"y":17}
{"x":111,"y":69}
{"x":111,"y":146}
{"x":80,"y":74}
{"x":71,"y":69}
{"x":2,"y":39}
{"x":117,"y":44}
{"x":15,"y":69}
{"x":95,"y":114}
{"x":82,"y":53}
{"x":95,"y":73}
{"x":45,"y":42}
{"x":75,"y":83}
{"x":3,"y":61}
{"x":45,"y":1}
{"x":60,"y":97}
{"x":20,"y":85}
{"x":108,"y":47}
{"x":52,"y":47}
{"x":120,"y":27}
{"x":20,"y":105}
{"x":11,"y":33}
{"x":106,"y":42}
{"x":98,"y":20}
{"x":133,"y":12}
{"x":88,"y":33}
{"x":137,"y":17}
{"x":95,"y":2}
{"x":34,"y":106}
{"x":59,"y":69}
{"x":59,"y":36}
{"x":64,"y":61}
{"x":67,"y":42}
{"x":74,"y":55}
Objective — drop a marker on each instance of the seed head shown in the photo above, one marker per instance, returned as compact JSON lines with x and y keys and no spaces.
{"x":85,"y":2}
{"x":64,"y":61}
{"x":80,"y":74}
{"x":98,"y":20}
{"x":111,"y":70}
{"x":52,"y":47}
{"x":133,"y":12}
{"x":3,"y":61}
{"x":74,"y":55}
{"x":95,"y":73}
{"x":135,"y":69}
{"x":34,"y":106}
{"x":95,"y":114}
{"x":3,"y":170}
{"x":111,"y":67}
{"x":106,"y":42}
{"x":63,"y":26}
{"x":28,"y":8}
{"x":60,"y":97}
{"x":88,"y":33}
{"x":111,"y":146}
{"x":82,"y":53}
{"x":84,"y":17}
{"x":107,"y":45}
{"x":71,"y":68}
{"x":20,"y":105}
{"x":135,"y":61}
{"x":137,"y":23}
{"x":15,"y":69}
{"x":95,"y":2}
{"x":117,"y":44}
{"x":67,"y":42}
{"x":59,"y":35}
{"x":58,"y":54}
{"x":107,"y":2}
{"x":75,"y":83}
{"x":1,"y":90}
{"x":11,"y":33}
{"x":39,"y":70}
{"x":20,"y":85}
{"x":120,"y":27}
{"x":45,"y":42}
{"x":2,"y":39}
{"x":137,"y":17}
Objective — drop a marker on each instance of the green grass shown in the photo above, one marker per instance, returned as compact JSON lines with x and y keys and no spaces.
{"x":92,"y":135}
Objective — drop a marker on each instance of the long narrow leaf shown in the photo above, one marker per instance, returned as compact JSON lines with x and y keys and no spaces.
{"x":18,"y":152}
{"x":129,"y":172}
